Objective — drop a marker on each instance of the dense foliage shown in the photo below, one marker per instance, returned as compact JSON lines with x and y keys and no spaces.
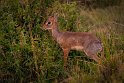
{"x":30,"y":54}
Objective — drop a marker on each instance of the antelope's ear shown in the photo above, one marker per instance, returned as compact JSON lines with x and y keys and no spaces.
{"x":56,"y":17}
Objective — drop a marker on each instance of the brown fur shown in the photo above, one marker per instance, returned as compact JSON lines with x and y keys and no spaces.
{"x":82,"y":41}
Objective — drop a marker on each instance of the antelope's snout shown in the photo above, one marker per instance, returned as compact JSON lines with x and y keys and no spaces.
{"x":44,"y":27}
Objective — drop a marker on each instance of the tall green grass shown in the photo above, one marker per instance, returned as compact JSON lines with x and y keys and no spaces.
{"x":29,"y":54}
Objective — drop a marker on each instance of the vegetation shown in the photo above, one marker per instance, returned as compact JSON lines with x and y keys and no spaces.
{"x":30,"y":54}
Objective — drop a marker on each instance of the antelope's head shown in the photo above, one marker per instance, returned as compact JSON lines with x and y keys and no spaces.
{"x":51,"y":23}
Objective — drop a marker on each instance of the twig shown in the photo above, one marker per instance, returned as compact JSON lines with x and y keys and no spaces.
{"x":118,"y":24}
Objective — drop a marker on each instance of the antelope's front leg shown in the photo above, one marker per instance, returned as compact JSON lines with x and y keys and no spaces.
{"x":66,"y":52}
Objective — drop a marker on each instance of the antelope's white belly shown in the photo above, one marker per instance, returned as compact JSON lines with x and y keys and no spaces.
{"x":77,"y":48}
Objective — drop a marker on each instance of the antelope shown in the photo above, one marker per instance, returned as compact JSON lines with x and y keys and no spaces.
{"x":81,"y":41}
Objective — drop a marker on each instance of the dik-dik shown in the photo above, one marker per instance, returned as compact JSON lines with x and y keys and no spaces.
{"x":82,"y":41}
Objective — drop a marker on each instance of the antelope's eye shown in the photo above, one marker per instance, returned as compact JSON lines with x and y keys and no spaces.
{"x":49,"y":23}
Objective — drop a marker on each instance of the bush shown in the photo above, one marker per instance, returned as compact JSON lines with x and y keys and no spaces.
{"x":29,"y":54}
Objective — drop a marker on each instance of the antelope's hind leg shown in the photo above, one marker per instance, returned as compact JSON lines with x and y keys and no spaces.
{"x":92,"y":49}
{"x":93,"y":56}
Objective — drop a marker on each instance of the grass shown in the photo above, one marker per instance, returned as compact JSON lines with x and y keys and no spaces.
{"x":29,"y":54}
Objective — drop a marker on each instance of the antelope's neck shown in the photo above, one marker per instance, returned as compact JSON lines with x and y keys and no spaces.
{"x":56,"y":33}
